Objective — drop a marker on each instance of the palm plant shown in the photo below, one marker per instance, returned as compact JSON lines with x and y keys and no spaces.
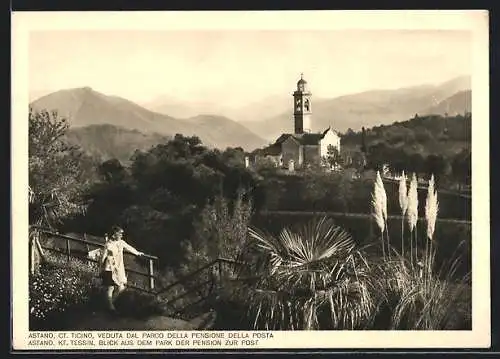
{"x":311,"y":278}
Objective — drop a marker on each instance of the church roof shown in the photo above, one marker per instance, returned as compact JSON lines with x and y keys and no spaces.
{"x":271,"y":150}
{"x":303,"y":139}
{"x":311,"y":138}
{"x":329,"y":129}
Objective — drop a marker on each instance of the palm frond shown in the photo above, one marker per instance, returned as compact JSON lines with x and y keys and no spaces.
{"x":308,"y":273}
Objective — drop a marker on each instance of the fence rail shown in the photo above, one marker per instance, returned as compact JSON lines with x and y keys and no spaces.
{"x":353,"y":215}
{"x":213,"y":281}
{"x":150,"y":275}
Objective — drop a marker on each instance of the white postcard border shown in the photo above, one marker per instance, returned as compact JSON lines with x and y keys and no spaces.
{"x":475,"y":21}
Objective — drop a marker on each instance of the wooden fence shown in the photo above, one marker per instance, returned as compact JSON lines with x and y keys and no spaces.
{"x":353,"y":215}
{"x":195,"y":288}
{"x":77,"y":254}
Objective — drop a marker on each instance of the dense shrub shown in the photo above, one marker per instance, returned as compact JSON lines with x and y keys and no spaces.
{"x":140,"y":305}
{"x":55,"y":290}
{"x":340,"y":192}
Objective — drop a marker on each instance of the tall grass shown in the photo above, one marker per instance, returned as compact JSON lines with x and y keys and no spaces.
{"x":420,"y":298}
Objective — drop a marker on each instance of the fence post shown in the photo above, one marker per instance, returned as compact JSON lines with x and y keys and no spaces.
{"x":68,"y":249}
{"x":86,"y":244}
{"x":219,"y":279}
{"x":151,"y":275}
{"x":31,"y":254}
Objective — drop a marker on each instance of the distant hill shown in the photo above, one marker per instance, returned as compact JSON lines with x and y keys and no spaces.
{"x":426,"y":135}
{"x":366,"y":109}
{"x":109,"y":141}
{"x":36,"y":94}
{"x":254,"y":111}
{"x":224,"y":132}
{"x":261,"y":109}
{"x":171,"y":106}
{"x":84,"y":107}
{"x":459,"y":103}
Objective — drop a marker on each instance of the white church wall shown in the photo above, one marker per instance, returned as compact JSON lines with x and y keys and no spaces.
{"x":330,"y":138}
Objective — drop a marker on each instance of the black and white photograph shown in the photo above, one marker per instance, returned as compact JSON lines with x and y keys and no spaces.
{"x":253,"y":179}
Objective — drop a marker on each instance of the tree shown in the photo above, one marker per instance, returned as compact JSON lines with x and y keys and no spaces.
{"x":160,"y":198}
{"x":333,"y":158}
{"x":363,"y":140}
{"x":461,"y":167}
{"x":437,"y":165}
{"x":220,"y":231}
{"x":358,"y":161}
{"x":112,"y":170}
{"x":58,"y":172}
{"x":415,"y":163}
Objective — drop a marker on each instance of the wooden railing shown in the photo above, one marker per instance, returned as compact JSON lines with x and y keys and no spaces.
{"x":192,"y":283}
{"x":87,"y":242}
{"x":215,"y":273}
{"x":353,"y":215}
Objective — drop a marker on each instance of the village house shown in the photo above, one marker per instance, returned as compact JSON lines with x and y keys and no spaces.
{"x":303,"y":147}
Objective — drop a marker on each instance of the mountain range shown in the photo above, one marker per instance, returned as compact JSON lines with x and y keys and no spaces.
{"x":104,"y":142}
{"x":271,"y":116}
{"x":251,"y":126}
{"x":86,"y":107}
{"x":372,"y":108}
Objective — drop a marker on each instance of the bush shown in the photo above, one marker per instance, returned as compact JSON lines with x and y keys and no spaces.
{"x":140,"y":305}
{"x":418,"y":301}
{"x":54,"y":290}
{"x":61,"y":291}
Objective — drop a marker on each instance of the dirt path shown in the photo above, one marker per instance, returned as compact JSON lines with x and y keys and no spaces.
{"x":107,"y":321}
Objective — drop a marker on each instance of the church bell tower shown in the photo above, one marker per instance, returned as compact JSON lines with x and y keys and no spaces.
{"x":302,"y":111}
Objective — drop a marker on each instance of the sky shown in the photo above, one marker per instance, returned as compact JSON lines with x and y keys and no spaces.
{"x":237,"y":67}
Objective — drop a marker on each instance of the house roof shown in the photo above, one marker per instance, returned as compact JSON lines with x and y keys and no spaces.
{"x":272,"y":150}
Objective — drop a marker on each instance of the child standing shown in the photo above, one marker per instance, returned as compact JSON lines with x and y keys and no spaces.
{"x":108,"y":266}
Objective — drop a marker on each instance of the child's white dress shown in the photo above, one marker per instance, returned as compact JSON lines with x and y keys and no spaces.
{"x":117,"y":247}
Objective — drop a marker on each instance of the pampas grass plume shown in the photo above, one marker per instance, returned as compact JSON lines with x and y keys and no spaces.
{"x":431,"y":208}
{"x":412,"y":211}
{"x":379,"y":203}
{"x":403,"y":194}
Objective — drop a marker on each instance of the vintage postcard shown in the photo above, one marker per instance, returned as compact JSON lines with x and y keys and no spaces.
{"x":250,"y":180}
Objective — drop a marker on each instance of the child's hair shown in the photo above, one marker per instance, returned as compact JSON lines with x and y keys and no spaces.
{"x":116,"y":228}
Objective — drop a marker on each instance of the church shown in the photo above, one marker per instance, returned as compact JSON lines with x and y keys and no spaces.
{"x":303,"y":147}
